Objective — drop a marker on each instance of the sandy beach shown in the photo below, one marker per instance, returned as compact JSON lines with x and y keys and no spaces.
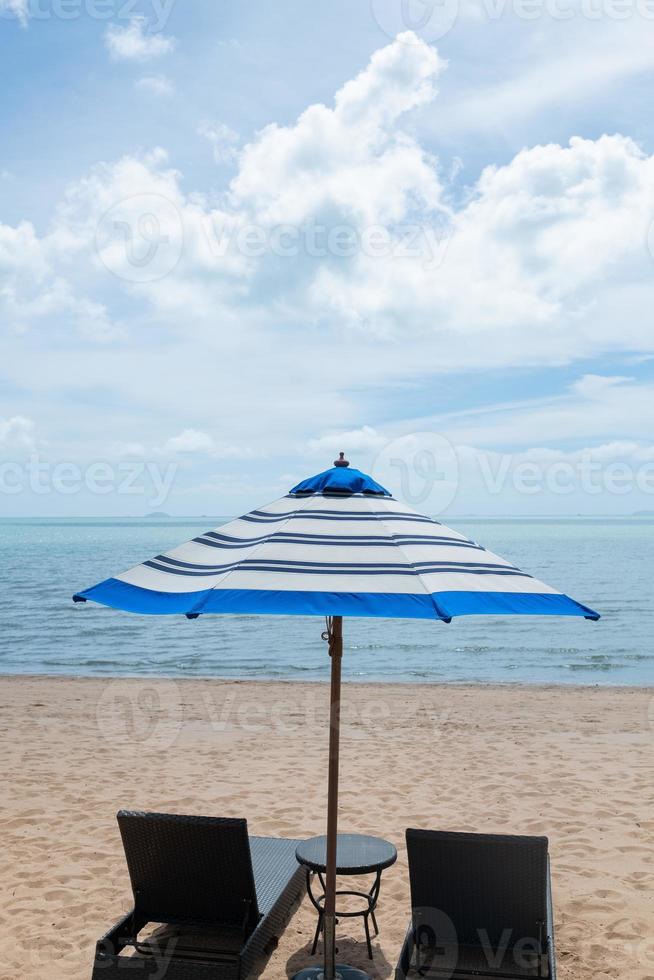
{"x":571,"y":763}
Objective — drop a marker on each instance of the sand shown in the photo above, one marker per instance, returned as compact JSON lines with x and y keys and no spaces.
{"x":571,"y":763}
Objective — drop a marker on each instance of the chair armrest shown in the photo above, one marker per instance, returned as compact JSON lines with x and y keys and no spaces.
{"x":256,"y":942}
{"x":263,"y":938}
{"x":125,"y":930}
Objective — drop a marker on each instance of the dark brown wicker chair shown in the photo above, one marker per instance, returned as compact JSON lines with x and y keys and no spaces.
{"x":481,"y":907}
{"x":221,"y":898}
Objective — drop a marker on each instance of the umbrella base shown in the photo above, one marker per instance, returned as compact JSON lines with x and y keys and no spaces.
{"x":342,"y":973}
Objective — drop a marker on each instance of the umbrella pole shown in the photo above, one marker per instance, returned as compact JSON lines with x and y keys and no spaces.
{"x":330,"y":971}
{"x":329,"y":922}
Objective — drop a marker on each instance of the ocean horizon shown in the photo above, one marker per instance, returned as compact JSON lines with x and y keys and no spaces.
{"x":600,"y":561}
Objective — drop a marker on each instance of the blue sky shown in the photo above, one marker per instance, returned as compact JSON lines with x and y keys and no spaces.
{"x":236,"y":238}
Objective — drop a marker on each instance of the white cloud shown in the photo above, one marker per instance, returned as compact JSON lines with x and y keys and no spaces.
{"x":341,"y":220}
{"x":399,"y":77}
{"x":189,"y":441}
{"x":197,"y":441}
{"x":607,"y":452}
{"x":541,"y":261}
{"x":17,"y":432}
{"x":155,"y":84}
{"x":598,"y":385}
{"x":133,"y":43}
{"x":16,"y":8}
{"x":20,"y":250}
{"x":351,"y":163}
{"x":365,"y":439}
{"x":134,"y":450}
{"x":436,"y":474}
{"x":33,"y":289}
{"x":556,"y":62}
{"x":485,"y":458}
{"x":544,"y":243}
{"x":593,"y":409}
{"x":596,"y":479}
{"x":223,"y":139}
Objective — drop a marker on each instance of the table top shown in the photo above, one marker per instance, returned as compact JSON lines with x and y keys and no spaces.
{"x":355,"y":854}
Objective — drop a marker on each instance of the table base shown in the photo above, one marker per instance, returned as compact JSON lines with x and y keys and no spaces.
{"x":342,"y":973}
{"x":367,"y":912}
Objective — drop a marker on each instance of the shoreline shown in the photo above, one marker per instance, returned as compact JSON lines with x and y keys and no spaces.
{"x":570,"y":763}
{"x":347,"y":681}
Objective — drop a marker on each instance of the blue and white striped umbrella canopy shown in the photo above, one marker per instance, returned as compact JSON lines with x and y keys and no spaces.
{"x":337,"y":544}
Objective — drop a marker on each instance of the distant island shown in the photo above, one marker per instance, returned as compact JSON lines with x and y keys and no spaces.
{"x":158,"y":513}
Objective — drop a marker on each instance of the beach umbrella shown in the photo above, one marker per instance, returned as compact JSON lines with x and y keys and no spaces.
{"x":338,"y":544}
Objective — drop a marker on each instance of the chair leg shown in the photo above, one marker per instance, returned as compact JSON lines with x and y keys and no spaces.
{"x":374,"y":922}
{"x":315,"y":938}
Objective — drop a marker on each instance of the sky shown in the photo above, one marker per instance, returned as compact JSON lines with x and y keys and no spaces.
{"x":236,"y":239}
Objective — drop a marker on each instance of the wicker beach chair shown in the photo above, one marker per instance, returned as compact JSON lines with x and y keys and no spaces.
{"x":221,"y":899}
{"x":481,"y":907}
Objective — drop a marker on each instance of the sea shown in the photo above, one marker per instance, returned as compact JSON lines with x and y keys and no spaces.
{"x":605,"y":563}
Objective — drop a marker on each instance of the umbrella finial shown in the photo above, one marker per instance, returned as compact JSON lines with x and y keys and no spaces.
{"x":341,"y":461}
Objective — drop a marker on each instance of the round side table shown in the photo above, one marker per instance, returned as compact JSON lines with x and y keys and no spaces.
{"x":356,"y":854}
